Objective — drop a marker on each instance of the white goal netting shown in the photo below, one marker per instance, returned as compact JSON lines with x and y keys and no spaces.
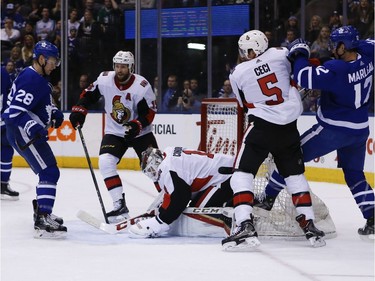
{"x":222,"y":127}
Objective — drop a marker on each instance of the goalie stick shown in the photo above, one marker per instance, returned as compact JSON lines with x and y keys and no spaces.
{"x":117,"y":227}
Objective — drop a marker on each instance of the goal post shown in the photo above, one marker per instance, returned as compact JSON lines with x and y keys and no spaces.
{"x":223,"y":123}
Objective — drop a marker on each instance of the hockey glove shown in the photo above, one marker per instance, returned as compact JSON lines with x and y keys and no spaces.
{"x":57,"y":117}
{"x":78,"y":116}
{"x":132,"y":129}
{"x":35,"y":131}
{"x":298,"y":47}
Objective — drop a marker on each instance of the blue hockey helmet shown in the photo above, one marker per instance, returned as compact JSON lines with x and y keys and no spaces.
{"x":348,"y":35}
{"x":47,"y":49}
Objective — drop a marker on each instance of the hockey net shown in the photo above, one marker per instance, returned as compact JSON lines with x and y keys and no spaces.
{"x":222,"y":126}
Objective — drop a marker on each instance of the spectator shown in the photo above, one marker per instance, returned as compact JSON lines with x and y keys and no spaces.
{"x":56,"y":95}
{"x":89,"y":5}
{"x":110,"y":19}
{"x":10,"y":67}
{"x":28,"y":29}
{"x":10,"y":13}
{"x":194,"y":87}
{"x":292,"y":24}
{"x":363,"y":16}
{"x":73,"y":19}
{"x":320,"y":47}
{"x":9,"y":35}
{"x":27,"y":50}
{"x":75,"y":93}
{"x":227,"y":91}
{"x":55,"y":36}
{"x":271,"y":41}
{"x":56,"y":11}
{"x":313,"y":29}
{"x":290,"y":37}
{"x":45,"y":26}
{"x":335,"y":21}
{"x":171,"y":94}
{"x":186,"y":100}
{"x":16,"y":58}
{"x":88,"y":41}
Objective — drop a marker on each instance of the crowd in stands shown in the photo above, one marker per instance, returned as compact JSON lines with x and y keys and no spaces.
{"x":95,"y":34}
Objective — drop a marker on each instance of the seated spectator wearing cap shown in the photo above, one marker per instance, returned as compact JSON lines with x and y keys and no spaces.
{"x":11,"y":13}
{"x":335,"y":21}
{"x":292,"y":24}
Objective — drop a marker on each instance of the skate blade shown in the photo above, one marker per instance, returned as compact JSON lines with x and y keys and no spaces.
{"x":368,"y":238}
{"x":119,"y":219}
{"x":43,"y":234}
{"x":249,"y":245}
{"x":9,"y":198}
{"x":317,"y":242}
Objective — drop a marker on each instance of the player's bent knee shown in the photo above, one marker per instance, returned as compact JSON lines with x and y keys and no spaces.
{"x":107,"y":164}
{"x":50,"y":174}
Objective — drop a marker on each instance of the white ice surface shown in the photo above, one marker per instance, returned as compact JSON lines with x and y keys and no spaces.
{"x":91,"y":255}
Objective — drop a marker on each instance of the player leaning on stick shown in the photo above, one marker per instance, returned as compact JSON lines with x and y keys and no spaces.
{"x":130,"y":109}
{"x":30,"y":112}
{"x":262,"y":86}
{"x":183,"y":175}
{"x":342,"y":116}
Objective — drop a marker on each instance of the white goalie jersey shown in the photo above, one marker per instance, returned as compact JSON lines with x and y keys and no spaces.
{"x":121,"y":101}
{"x":262,"y":86}
{"x":197,"y":168}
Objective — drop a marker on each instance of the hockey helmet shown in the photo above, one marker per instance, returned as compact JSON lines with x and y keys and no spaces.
{"x":252,"y":40}
{"x":124,"y":57}
{"x":348,"y":35}
{"x":150,"y":161}
{"x":46,"y":49}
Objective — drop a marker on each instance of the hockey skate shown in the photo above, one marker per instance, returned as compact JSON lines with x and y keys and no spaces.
{"x":57,"y":219}
{"x":314,"y":235}
{"x":244,"y":239}
{"x":7,"y":193}
{"x":263,"y":205}
{"x":46,"y":228}
{"x":366,"y":233}
{"x":120,"y":211}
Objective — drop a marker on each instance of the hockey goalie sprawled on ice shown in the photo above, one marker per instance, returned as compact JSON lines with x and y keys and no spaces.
{"x":191,"y":178}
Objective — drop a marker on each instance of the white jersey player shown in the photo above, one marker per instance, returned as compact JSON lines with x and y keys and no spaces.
{"x":130,"y":109}
{"x":184,"y":176}
{"x":262,"y":87}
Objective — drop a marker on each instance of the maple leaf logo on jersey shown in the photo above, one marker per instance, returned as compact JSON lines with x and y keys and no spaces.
{"x":120,"y":113}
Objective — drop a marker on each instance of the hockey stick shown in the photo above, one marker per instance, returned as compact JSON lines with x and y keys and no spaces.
{"x":117,"y":227}
{"x":30,"y":142}
{"x":92,"y":173}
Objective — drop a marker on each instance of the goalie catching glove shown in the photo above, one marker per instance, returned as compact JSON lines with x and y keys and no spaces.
{"x":298,"y":47}
{"x":132,"y":129}
{"x":148,"y":228}
{"x":78,"y":116}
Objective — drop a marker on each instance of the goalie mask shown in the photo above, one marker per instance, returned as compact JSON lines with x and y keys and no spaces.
{"x":123,"y":57}
{"x":252,"y":40}
{"x":151,"y":159}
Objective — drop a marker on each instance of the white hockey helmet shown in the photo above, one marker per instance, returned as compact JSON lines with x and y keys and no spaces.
{"x":124,"y":57}
{"x":150,"y":161}
{"x":252,"y":40}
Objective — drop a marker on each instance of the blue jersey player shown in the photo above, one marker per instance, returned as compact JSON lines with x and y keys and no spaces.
{"x":29,"y":114}
{"x":7,"y":150}
{"x":342,"y":116}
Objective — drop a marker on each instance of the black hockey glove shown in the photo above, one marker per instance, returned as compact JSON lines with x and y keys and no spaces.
{"x":57,"y":117}
{"x":132,"y":129}
{"x":298,"y":47}
{"x":78,"y":116}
